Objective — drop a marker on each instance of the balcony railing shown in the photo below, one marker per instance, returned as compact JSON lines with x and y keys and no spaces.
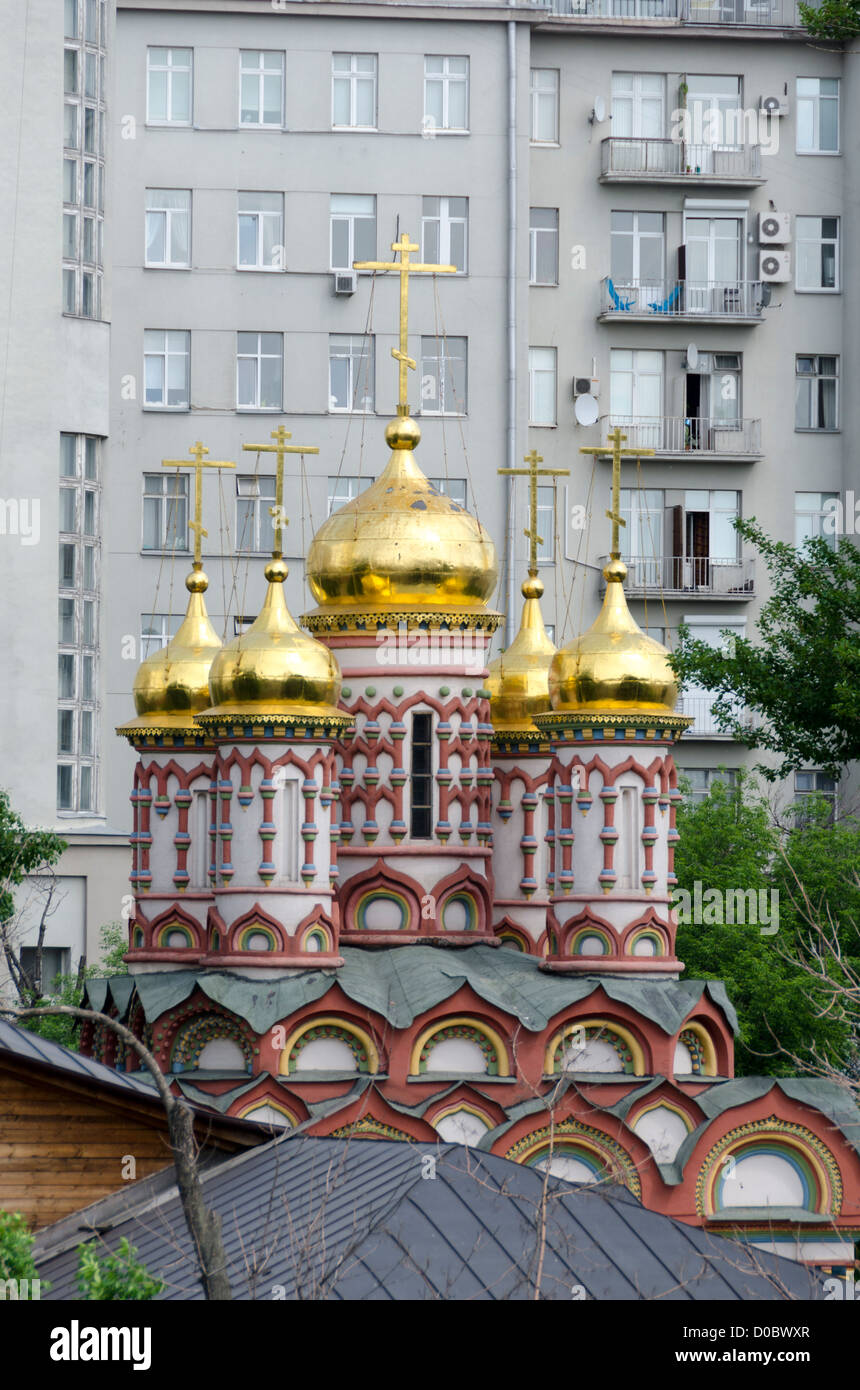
{"x":704,"y":724}
{"x":769,"y":13}
{"x":690,"y":576}
{"x":639,"y":158}
{"x":682,"y":299}
{"x":678,"y":434}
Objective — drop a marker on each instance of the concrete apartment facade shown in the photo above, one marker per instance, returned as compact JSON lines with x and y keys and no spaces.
{"x":340,"y":114}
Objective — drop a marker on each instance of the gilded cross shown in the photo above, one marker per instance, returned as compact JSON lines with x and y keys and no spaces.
{"x":197,"y":451}
{"x":405,"y":267}
{"x":533,"y":473}
{"x":280,"y":449}
{"x":612,"y":449}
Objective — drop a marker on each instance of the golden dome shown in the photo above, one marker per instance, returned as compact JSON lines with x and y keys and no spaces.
{"x":613,"y":666}
{"x":274,"y":669}
{"x":518,"y":680}
{"x":172,"y":685}
{"x":401,"y":547}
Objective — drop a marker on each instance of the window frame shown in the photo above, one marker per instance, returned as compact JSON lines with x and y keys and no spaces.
{"x":170,"y":67}
{"x":445,"y":366}
{"x":84,"y":645}
{"x":535,"y":94}
{"x":445,"y":222}
{"x":534,"y":234}
{"x":261,"y":72}
{"x":815,"y":102}
{"x":259,"y":214}
{"x":168,"y":215}
{"x":182,"y":492}
{"x":815,"y":377}
{"x":368,"y":354}
{"x":354,"y":76}
{"x":165,"y":355}
{"x":820,"y":241}
{"x":257,"y":502}
{"x":534,"y":372}
{"x":259,"y":356}
{"x":446,"y":79}
{"x":350,"y":219}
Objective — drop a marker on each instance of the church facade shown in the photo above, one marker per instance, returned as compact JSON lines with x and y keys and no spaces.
{"x":384,"y":890}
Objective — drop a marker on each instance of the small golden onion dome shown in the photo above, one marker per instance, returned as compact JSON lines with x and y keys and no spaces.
{"x":518,"y":680}
{"x":274,"y":668}
{"x":614,"y":665}
{"x":400,"y":546}
{"x":172,"y":685}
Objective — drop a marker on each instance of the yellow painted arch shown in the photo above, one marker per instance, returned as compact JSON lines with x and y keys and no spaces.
{"x":329,"y":1020}
{"x":661,"y":1105}
{"x":620,"y":1032}
{"x":710,"y":1052}
{"x":457,"y":1109}
{"x":248,"y":1112}
{"x":489,"y":1033}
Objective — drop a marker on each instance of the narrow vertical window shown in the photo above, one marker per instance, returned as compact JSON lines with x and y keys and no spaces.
{"x":422,"y":777}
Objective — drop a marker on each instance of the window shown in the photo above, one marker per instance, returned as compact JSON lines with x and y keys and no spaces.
{"x":815,"y":396}
{"x":261,"y":231}
{"x":353,"y":95}
{"x":168,"y":86}
{"x":702,"y":779}
{"x":636,"y":387}
{"x":445,"y":232}
{"x":71,"y":131}
{"x":814,"y":514}
{"x":78,"y":623}
{"x":259,"y":371}
{"x":638,"y":101}
{"x":168,"y":228}
{"x":255,"y":496}
{"x":714,"y":104}
{"x":443,"y":376}
{"x":543,"y":246}
{"x":353,"y":229}
{"x":636,"y":248}
{"x":166,"y":360}
{"x":542,"y":385}
{"x":817,"y":253}
{"x":70,"y":71}
{"x":543,"y":96}
{"x":817,"y":115}
{"x":344,"y":489}
{"x":421,"y":780}
{"x":642,"y":535}
{"x":261,"y":88}
{"x":55,"y":962}
{"x":70,"y":17}
{"x":351,"y":372}
{"x":809,"y":785}
{"x":455,"y":488}
{"x":165,"y":511}
{"x":546,"y":525}
{"x":446,"y":93}
{"x":156,"y":630}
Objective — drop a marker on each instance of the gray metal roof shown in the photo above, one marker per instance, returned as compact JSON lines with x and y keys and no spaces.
{"x":29,"y":1047}
{"x":386,"y":1221}
{"x":401,"y":983}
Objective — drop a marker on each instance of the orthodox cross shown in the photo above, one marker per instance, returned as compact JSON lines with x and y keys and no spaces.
{"x":612,"y":449}
{"x":405,"y":268}
{"x":280,"y":449}
{"x":533,"y":473}
{"x":197,"y":451}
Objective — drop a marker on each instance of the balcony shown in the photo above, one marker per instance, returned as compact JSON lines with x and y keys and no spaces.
{"x":704,"y":725}
{"x":771,"y":14}
{"x":689,"y":438}
{"x":639,"y":160}
{"x":712,"y":301}
{"x":687,"y":577}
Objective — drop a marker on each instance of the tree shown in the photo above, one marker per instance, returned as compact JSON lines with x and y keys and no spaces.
{"x":802,"y":678}
{"x":16,"y":1248}
{"x":729,"y":842}
{"x":837,"y":20}
{"x":69,"y":989}
{"x":118,"y":1277}
{"x":25,"y":854}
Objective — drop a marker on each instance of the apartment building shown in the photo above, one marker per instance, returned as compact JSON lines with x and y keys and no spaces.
{"x":650,"y":205}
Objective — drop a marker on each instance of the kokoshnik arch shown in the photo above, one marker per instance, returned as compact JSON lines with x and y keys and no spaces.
{"x":381,"y":900}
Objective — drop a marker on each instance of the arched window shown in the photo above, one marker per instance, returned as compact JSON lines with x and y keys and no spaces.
{"x":663,"y":1130}
{"x":461,"y":1126}
{"x":765,"y":1178}
{"x":590,"y":943}
{"x":594,"y":1045}
{"x":221,"y":1054}
{"x":329,"y":1045}
{"x":572,"y":1164}
{"x":694,"y":1053}
{"x":210,"y":1042}
{"x":460,"y":1047}
{"x":382,"y":912}
{"x":265,"y":1113}
{"x":459,"y":913}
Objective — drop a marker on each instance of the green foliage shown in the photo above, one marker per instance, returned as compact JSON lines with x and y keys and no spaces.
{"x":837,"y":20}
{"x":802,"y":678}
{"x":69,"y":989}
{"x":16,"y":1247}
{"x":729,"y":841}
{"x":119,"y":1277}
{"x":22,"y":852}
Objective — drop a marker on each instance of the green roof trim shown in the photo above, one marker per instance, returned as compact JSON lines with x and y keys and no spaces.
{"x":401,"y":985}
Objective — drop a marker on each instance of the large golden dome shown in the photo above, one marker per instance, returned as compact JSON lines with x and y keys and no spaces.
{"x":274,"y":670}
{"x":614,"y":666}
{"x":172,"y":685}
{"x":518,"y":680}
{"x":401,"y":547}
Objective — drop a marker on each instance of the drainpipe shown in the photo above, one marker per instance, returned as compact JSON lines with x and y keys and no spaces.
{"x":510,"y":573}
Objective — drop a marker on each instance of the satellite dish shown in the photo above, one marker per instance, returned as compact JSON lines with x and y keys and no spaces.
{"x":692,"y":356}
{"x":586,"y":410}
{"x":599,"y":111}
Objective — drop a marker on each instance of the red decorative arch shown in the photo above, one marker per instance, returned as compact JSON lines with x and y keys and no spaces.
{"x":508,"y":926}
{"x":382,"y":877}
{"x":462,"y":879}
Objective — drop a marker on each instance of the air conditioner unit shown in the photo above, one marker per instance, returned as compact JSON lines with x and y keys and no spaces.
{"x":345,"y":281}
{"x":774,"y":266}
{"x":774,"y":105}
{"x":774,"y":228}
{"x":586,"y":386}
